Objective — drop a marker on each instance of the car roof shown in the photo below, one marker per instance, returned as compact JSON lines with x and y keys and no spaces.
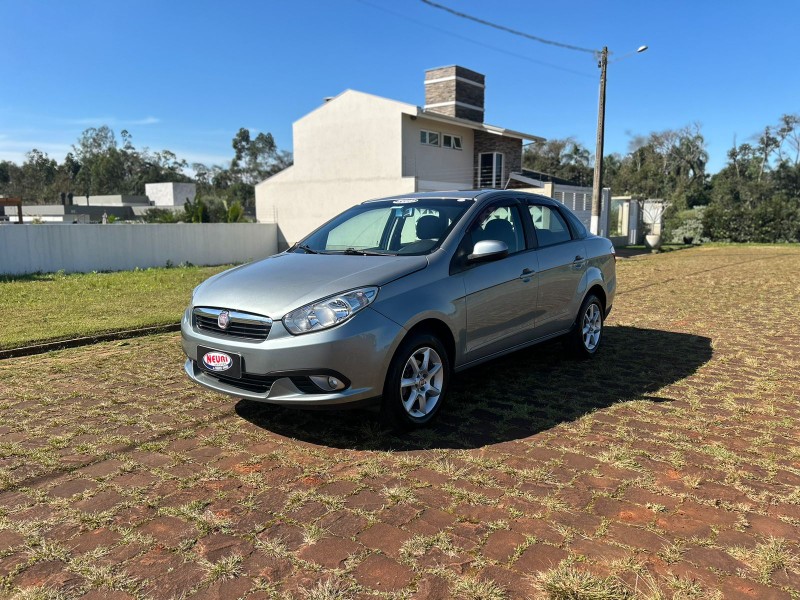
{"x":466,"y":195}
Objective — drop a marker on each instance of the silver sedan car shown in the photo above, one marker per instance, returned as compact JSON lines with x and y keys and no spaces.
{"x":390,"y":298}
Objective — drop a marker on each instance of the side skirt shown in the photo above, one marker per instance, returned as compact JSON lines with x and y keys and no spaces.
{"x":484,"y":359}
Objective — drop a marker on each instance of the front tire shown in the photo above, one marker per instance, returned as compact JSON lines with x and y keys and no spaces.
{"x":416,"y":382}
{"x":588,"y":332}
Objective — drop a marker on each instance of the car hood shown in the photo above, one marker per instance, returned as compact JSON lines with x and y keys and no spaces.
{"x":281,"y":283}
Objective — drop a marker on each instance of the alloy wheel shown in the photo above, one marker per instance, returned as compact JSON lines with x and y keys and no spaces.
{"x":592,"y":326}
{"x":421,"y":382}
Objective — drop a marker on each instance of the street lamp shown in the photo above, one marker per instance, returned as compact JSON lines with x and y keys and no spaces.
{"x":597,"y":189}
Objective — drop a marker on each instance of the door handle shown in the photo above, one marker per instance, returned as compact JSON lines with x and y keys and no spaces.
{"x":527,"y":274}
{"x":578,"y":258}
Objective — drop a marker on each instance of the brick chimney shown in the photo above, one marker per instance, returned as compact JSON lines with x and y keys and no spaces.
{"x":455,"y":91}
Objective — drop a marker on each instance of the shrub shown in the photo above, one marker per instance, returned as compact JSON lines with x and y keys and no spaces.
{"x":686,"y":226}
{"x":773,"y":220}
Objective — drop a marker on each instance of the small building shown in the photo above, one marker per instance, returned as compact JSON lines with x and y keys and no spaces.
{"x":110,"y":200}
{"x":123,"y":207}
{"x":357,"y":146}
{"x":171,"y":194}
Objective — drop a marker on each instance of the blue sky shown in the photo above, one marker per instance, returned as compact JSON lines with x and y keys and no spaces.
{"x":186,"y":75}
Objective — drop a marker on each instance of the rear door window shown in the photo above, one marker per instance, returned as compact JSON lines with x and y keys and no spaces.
{"x":550,"y":226}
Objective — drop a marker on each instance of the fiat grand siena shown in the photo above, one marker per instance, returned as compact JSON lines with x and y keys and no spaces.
{"x":393,"y":296}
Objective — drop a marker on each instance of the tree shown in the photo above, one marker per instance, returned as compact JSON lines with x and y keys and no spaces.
{"x":756,"y":196}
{"x":36,"y":177}
{"x":95,"y":141}
{"x":197,"y":211}
{"x":100,"y":164}
{"x":161,"y":215}
{"x":257,"y":158}
{"x":564,"y":158}
{"x":235,"y":212}
{"x":669,"y":165}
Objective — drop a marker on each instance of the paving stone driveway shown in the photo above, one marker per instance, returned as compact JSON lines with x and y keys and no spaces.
{"x":669,"y":466}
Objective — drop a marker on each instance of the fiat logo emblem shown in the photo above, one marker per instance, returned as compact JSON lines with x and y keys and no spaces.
{"x":224,"y":319}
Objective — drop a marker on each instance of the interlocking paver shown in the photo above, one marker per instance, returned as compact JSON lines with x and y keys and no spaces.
{"x":331,"y":552}
{"x":386,"y":538}
{"x":539,"y":557}
{"x":49,"y":574}
{"x":672,"y":455}
{"x":9,"y":539}
{"x":383,"y":574}
{"x":500,"y":545}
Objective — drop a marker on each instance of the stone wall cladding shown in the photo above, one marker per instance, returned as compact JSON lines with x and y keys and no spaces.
{"x":469,"y":94}
{"x":455,"y":90}
{"x":510,"y":148}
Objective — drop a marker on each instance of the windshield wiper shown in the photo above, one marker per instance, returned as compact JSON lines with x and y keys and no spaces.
{"x":308,"y":249}
{"x":353,"y":251}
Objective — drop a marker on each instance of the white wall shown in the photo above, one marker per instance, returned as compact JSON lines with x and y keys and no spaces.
{"x":436,"y":167}
{"x":170,"y":194}
{"x":118,"y":247}
{"x":109,"y":200}
{"x":346,"y":151}
{"x":299,"y":207}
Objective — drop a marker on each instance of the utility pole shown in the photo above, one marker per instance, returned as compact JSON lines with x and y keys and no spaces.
{"x":597,"y":189}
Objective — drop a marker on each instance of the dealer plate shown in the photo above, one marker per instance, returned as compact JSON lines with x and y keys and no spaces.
{"x":217,"y":362}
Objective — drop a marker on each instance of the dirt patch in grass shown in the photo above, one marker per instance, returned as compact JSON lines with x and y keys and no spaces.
{"x":666,"y":468}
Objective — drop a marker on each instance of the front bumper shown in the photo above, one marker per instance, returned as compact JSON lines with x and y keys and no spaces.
{"x":359,"y":351}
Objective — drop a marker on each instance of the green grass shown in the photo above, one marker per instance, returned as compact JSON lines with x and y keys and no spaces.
{"x":49,"y":307}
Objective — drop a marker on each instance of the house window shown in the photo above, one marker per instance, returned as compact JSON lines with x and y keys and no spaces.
{"x":490,"y":170}
{"x":429,"y":138}
{"x":451,"y":141}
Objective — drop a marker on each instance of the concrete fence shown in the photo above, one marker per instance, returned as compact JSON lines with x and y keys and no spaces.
{"x":118,"y":247}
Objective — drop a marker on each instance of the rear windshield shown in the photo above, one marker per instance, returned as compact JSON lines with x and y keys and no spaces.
{"x":400,"y":227}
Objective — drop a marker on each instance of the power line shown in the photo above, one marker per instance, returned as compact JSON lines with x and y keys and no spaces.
{"x":474,"y":41}
{"x":508,"y":29}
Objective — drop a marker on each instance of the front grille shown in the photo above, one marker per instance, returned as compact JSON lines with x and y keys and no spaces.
{"x":242,"y":325}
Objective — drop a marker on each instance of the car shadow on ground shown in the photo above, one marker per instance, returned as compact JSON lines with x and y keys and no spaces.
{"x":512,"y":397}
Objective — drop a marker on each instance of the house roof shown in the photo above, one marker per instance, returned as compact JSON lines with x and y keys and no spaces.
{"x":421,"y":112}
{"x":547,"y":178}
{"x":418,"y":111}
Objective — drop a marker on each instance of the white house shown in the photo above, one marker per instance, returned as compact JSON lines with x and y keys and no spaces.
{"x":357,"y":146}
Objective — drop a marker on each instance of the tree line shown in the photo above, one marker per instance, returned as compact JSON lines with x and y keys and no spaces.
{"x":755,"y":197}
{"x":100,"y":164}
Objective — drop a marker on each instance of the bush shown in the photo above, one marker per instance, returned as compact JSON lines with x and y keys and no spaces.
{"x":774,"y":220}
{"x":686,"y":226}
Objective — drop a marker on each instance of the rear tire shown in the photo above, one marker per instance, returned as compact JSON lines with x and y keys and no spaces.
{"x":416,"y":382}
{"x":584,"y":340}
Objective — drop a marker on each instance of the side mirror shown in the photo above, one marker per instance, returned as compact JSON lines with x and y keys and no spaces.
{"x":488,"y":250}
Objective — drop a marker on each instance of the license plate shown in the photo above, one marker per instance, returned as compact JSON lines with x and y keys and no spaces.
{"x":221,"y":363}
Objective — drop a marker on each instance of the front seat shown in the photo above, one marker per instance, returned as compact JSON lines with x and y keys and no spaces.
{"x":430,"y":229}
{"x":502,"y":231}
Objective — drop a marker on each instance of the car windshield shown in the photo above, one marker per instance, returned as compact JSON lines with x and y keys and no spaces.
{"x":412,"y":226}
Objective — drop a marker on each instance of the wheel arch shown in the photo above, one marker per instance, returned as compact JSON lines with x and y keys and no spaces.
{"x":441,"y":331}
{"x":598,"y":291}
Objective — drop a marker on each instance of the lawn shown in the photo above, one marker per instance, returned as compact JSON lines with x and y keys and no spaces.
{"x":48,"y":307}
{"x":666,"y":467}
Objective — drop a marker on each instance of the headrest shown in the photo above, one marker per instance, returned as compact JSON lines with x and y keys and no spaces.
{"x":431,"y":227}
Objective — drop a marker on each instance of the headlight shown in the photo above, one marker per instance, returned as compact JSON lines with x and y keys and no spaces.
{"x":328,"y":311}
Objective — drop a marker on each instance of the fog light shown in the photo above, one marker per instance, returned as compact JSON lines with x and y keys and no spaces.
{"x":327,"y":382}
